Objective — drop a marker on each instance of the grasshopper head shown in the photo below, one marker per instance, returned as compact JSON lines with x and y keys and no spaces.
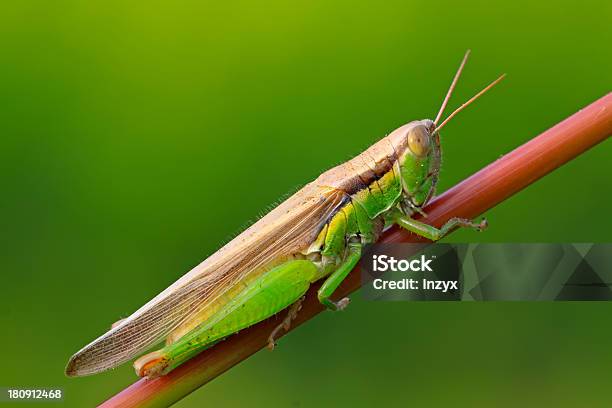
{"x":420,"y":154}
{"x":419,"y":163}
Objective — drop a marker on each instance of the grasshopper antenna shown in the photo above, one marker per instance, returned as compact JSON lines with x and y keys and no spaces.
{"x":466,"y":104}
{"x":452,"y":87}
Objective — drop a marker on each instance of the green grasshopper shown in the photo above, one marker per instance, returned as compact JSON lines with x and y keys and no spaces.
{"x":317,"y":233}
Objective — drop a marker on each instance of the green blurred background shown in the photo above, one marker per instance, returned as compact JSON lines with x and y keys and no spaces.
{"x":139,"y":136}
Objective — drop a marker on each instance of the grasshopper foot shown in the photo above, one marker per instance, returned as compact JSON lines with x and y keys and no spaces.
{"x":342,"y":303}
{"x":286,"y":323}
{"x":462,"y":222}
{"x":484,"y":224}
{"x":336,"y":306}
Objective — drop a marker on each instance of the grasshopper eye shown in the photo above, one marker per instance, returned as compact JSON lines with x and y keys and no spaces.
{"x":418,"y":142}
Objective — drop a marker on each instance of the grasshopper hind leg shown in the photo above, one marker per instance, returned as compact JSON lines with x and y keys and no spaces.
{"x":267,"y":295}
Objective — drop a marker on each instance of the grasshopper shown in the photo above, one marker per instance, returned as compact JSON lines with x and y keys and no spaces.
{"x":318,"y":233}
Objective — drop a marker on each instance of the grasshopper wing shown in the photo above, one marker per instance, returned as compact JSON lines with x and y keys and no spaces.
{"x":286,"y":230}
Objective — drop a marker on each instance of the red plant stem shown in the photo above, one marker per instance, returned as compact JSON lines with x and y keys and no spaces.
{"x":470,"y":198}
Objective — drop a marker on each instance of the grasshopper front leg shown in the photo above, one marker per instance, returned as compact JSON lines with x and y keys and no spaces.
{"x":432,"y":233}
